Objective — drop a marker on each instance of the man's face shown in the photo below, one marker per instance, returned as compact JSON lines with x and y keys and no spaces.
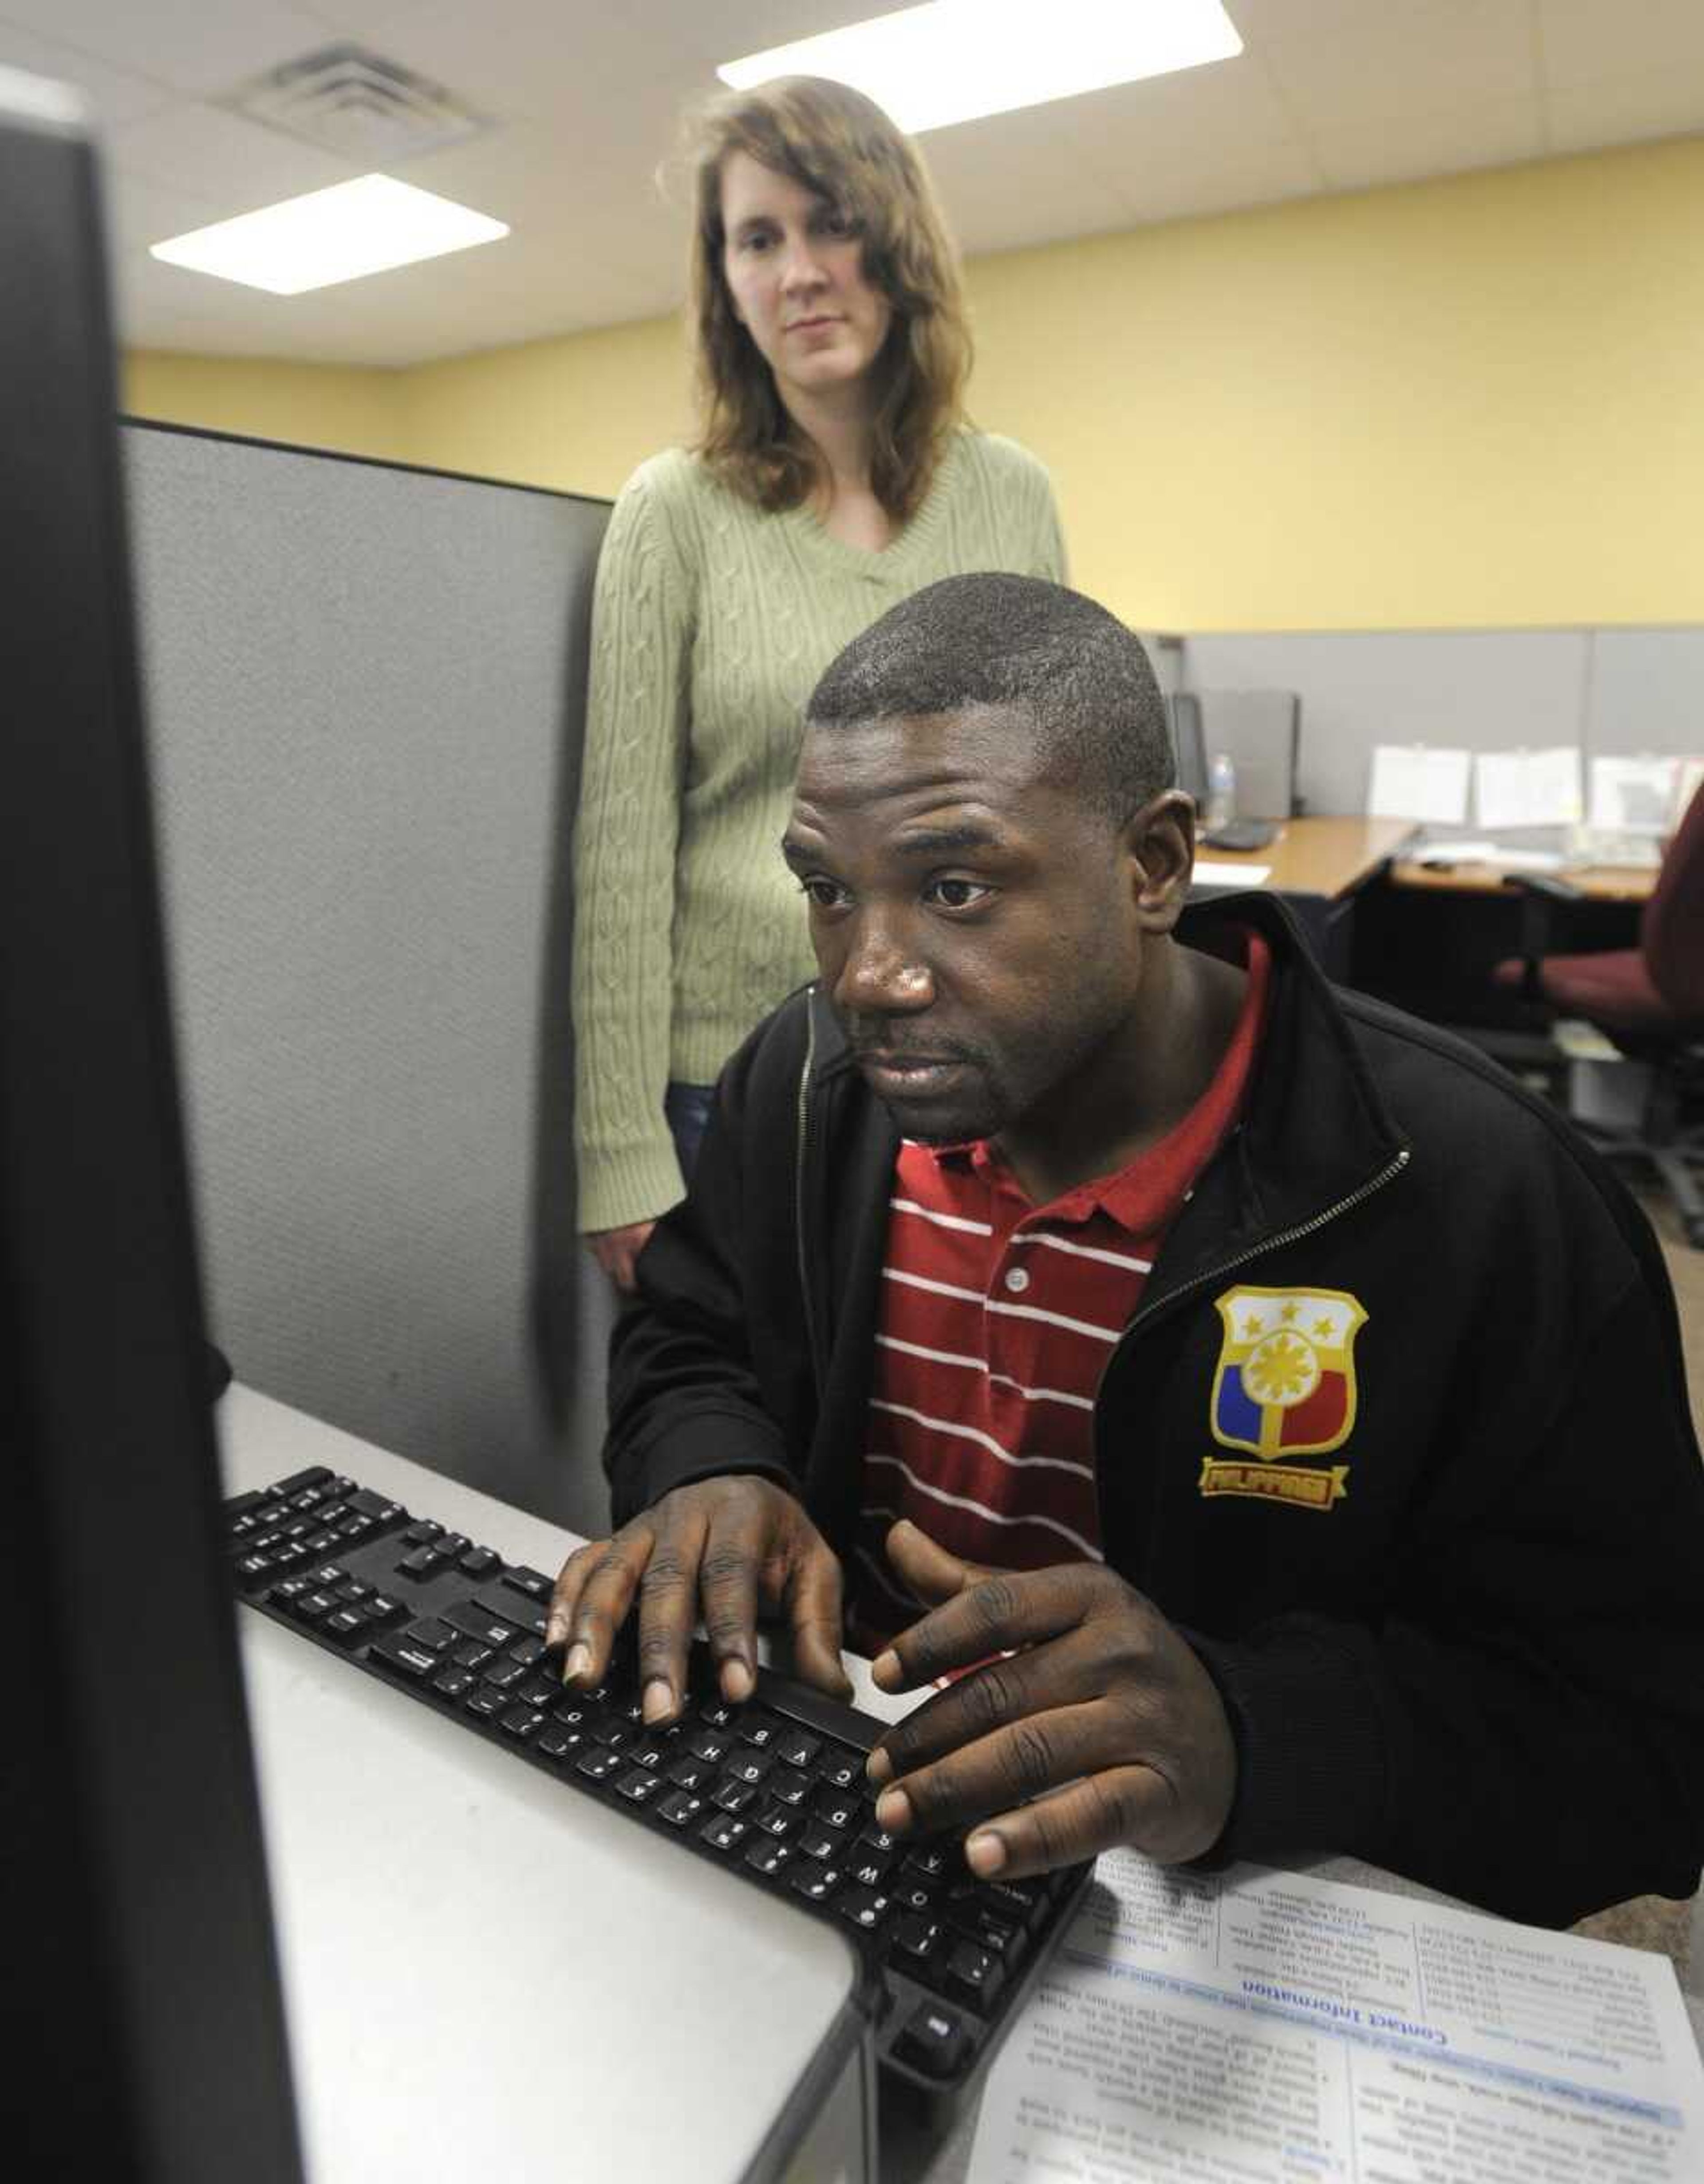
{"x":979,"y":930}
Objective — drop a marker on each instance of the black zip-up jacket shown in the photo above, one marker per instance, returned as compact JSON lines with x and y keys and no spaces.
{"x":1468,"y":1643}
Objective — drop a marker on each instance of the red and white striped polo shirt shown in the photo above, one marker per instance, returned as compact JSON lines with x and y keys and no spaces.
{"x":997,"y":1320}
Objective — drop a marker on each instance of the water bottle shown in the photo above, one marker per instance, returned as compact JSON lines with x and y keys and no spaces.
{"x":1221,"y":791}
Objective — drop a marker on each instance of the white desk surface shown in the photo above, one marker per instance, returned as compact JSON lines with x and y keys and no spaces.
{"x":412,"y":1962}
{"x":485,"y":1975}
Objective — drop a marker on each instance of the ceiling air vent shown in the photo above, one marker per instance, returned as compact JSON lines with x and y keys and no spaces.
{"x":354,"y":103}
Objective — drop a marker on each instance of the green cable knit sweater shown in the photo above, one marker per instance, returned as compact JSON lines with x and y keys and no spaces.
{"x":711,"y":625}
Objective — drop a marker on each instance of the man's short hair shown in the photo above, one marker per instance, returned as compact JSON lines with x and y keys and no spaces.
{"x":1081,"y":679}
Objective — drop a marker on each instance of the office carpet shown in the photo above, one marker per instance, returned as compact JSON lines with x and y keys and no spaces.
{"x":1652,"y":1922}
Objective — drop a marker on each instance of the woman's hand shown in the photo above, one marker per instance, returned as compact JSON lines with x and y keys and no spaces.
{"x":616,"y":1249}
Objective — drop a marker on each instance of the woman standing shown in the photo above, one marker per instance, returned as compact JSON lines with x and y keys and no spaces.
{"x":834,"y":475}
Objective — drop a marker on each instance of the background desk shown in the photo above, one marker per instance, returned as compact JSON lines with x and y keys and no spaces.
{"x":1320,"y":866}
{"x":1597,"y":883}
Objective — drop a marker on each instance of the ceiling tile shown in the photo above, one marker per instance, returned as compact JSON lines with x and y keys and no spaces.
{"x":1411,"y":60}
{"x":1666,"y":102}
{"x":1183,"y":127}
{"x":234,"y":163}
{"x":1584,"y":40}
{"x":1404,"y":148}
{"x":190,"y":45}
{"x":1015,"y":180}
{"x":1258,"y":21}
{"x":1259,"y":174}
{"x":115,"y":96}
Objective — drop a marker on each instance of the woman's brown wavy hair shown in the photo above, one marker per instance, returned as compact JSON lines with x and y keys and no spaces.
{"x":838,"y":144}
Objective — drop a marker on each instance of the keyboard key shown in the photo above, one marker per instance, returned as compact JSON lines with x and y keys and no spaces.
{"x":874,"y":1836}
{"x":559,"y":1743}
{"x":292,"y":1588}
{"x":708,"y":1744}
{"x":473,"y":1622}
{"x":758,"y":1728}
{"x":933,"y":1861}
{"x":512,"y":1607}
{"x":750,"y":1766}
{"x":821,"y":1842}
{"x":572,"y":1712}
{"x":478,"y":1561}
{"x":598,"y":1765}
{"x":869,"y":1868}
{"x":645,"y":1750}
{"x":485,"y":1704}
{"x":315,"y":1475}
{"x":780,"y":1821}
{"x":422,"y":1563}
{"x":531,"y":1582}
{"x":348,"y":1623}
{"x":768,"y":1857}
{"x":327,"y":1576}
{"x":837,"y":1810}
{"x":454,"y":1683}
{"x":353,"y":1591}
{"x":789,"y":1786}
{"x":934,"y":2041}
{"x":401,"y":1654}
{"x":613,"y":1735}
{"x":734,"y":1796}
{"x":863,"y":1907}
{"x":539,"y":1692}
{"x":527,"y":1652}
{"x":253,"y":1567}
{"x":913,"y":1894}
{"x":364,"y":1502}
{"x":798,"y":1749}
{"x":419,"y":1533}
{"x":430,"y":1632}
{"x":841,"y":1773}
{"x":717,"y":1714}
{"x":314,"y":1606}
{"x":503,"y":1675}
{"x":815,"y":1883}
{"x":725,"y":1832}
{"x":680,"y":1809}
{"x":688,"y":1773}
{"x":974,"y":1974}
{"x":471,"y":1655}
{"x":242,"y":1505}
{"x":1002,"y":1937}
{"x":522,"y":1723}
{"x":920,"y":1945}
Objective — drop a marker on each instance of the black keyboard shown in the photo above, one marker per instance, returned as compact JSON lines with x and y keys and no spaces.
{"x":773,"y":1789}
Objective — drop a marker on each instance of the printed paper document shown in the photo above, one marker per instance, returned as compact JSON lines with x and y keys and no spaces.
{"x":1253,"y":2026}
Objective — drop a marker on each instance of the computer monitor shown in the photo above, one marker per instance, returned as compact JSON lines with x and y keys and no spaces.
{"x":142,"y":2023}
{"x":1184,"y":709}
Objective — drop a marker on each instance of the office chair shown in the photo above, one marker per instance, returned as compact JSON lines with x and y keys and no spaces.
{"x":1648,"y":999}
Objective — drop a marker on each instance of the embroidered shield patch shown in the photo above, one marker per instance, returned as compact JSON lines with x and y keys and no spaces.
{"x":1285,"y":1384}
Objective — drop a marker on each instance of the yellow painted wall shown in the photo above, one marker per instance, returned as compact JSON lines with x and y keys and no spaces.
{"x":1473,"y":402}
{"x":311,"y":405}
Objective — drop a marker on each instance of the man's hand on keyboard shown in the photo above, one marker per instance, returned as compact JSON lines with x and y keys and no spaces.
{"x":716,"y":1549}
{"x":1103,"y":1715}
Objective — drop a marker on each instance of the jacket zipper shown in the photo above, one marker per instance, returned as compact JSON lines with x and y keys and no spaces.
{"x":1387,"y":1173}
{"x":799,"y":1195}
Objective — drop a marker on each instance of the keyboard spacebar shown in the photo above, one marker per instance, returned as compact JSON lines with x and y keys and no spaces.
{"x":815,"y":1709}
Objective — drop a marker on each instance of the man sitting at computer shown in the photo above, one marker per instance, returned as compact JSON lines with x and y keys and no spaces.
{"x":1283,"y":1408}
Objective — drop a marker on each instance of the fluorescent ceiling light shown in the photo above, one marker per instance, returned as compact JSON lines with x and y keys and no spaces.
{"x":955,"y":59}
{"x":339,"y":234}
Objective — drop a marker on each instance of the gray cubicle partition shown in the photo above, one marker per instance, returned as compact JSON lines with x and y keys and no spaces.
{"x":1613,"y":691}
{"x":366,"y":691}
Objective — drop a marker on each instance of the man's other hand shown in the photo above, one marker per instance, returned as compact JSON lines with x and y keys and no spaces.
{"x":716,"y":1550}
{"x":616,"y":1250}
{"x":1102,"y":1728}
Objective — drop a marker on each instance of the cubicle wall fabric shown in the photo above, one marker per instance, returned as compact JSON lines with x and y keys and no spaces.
{"x":1610,"y":691}
{"x":366,"y":691}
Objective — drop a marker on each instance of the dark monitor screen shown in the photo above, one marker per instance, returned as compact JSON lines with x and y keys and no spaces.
{"x":144,"y":2029}
{"x":1187,"y":745}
